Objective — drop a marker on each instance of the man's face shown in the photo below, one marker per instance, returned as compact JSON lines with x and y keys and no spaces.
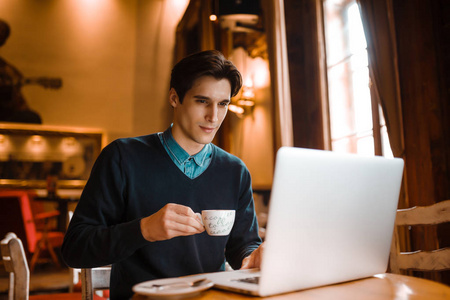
{"x":197,"y":119}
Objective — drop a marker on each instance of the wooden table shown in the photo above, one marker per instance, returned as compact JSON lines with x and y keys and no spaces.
{"x":382,"y":286}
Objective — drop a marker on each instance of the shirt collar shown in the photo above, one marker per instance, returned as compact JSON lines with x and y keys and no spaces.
{"x":180,"y":154}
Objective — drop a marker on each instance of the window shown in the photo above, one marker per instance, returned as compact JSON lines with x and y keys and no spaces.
{"x":356,"y":120}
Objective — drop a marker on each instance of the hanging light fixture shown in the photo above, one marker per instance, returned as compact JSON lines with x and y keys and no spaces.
{"x":238,"y":15}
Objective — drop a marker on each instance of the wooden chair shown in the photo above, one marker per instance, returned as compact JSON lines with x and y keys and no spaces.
{"x":88,"y":280}
{"x":94,"y":279}
{"x":437,"y":260}
{"x":19,"y":218}
{"x":15,"y":263}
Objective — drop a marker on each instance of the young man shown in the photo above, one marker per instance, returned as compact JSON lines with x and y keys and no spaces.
{"x":137,"y":211}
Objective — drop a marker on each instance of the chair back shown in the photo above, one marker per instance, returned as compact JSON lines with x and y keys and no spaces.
{"x":437,"y":260}
{"x":16,"y":208}
{"x":94,"y":279}
{"x":15,"y":262}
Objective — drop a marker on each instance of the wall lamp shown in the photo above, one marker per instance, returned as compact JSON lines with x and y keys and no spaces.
{"x":245,"y":104}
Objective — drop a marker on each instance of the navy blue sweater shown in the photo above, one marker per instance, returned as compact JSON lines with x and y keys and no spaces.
{"x":134,"y":178}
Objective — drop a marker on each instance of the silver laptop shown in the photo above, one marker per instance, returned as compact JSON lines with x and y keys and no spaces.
{"x":331,"y":219}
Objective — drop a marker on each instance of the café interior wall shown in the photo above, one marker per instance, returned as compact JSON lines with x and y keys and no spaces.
{"x":156,"y":28}
{"x":112,"y":56}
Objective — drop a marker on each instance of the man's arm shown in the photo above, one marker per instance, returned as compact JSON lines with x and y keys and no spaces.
{"x":244,"y":238}
{"x":100,"y":233}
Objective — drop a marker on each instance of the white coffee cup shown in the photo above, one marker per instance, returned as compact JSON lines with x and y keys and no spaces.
{"x":218,"y":222}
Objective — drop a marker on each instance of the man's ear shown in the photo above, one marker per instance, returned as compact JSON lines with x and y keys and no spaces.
{"x":173,"y":98}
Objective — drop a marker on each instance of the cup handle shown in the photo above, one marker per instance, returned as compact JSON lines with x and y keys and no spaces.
{"x":199,"y":215}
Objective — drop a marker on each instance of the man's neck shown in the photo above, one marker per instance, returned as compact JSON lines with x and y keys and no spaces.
{"x":191,"y":149}
{"x":190,"y":146}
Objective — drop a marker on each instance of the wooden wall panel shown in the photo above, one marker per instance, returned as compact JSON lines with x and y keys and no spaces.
{"x":304,"y":73}
{"x":422,"y":38}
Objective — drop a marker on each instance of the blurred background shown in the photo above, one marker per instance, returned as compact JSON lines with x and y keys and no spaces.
{"x":363,"y":77}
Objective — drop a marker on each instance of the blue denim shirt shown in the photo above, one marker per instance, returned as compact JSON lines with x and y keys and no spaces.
{"x":191,"y":166}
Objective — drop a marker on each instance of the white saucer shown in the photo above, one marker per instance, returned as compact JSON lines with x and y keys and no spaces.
{"x":170,"y":292}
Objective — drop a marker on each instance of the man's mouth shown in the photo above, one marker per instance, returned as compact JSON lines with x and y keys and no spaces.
{"x":208,"y":129}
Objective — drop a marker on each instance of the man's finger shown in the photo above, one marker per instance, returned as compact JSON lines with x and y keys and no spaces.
{"x":180,"y":209}
{"x":247,"y":262}
{"x":183,"y":217}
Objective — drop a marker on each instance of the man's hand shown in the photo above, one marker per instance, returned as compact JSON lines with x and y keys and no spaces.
{"x":254,"y":259}
{"x":171,"y":221}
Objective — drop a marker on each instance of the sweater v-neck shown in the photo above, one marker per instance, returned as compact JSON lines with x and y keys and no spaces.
{"x":173,"y":165}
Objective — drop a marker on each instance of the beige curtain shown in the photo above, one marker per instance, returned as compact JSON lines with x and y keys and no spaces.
{"x":378,"y":26}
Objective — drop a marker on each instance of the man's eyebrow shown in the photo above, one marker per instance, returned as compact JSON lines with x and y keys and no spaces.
{"x":207,"y":98}
{"x":201,"y":97}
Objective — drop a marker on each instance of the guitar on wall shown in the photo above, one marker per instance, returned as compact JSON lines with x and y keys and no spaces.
{"x":13,"y":106}
{"x":46,"y":82}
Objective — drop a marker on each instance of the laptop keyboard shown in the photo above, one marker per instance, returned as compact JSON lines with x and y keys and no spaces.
{"x":254,"y":280}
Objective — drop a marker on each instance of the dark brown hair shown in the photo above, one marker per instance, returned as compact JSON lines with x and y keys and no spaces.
{"x":206,"y":63}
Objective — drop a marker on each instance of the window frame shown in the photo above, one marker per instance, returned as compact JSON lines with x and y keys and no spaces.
{"x":376,"y":112}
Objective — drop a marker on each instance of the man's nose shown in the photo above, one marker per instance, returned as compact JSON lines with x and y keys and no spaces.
{"x":212,"y":114}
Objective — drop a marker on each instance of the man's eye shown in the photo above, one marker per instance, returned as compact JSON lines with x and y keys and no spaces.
{"x":201,"y":101}
{"x":224,"y":104}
